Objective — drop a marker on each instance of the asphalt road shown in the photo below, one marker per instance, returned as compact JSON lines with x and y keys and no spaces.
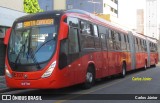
{"x":136,"y":83}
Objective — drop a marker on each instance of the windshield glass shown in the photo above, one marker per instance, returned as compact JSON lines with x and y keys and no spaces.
{"x":32,"y":44}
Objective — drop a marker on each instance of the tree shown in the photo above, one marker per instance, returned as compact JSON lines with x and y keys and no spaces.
{"x":31,"y":6}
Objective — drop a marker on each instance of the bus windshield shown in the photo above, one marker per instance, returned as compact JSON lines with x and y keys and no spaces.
{"x":32,"y":44}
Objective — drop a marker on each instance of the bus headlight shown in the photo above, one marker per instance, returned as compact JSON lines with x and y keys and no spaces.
{"x":7,"y":72}
{"x":49,"y":70}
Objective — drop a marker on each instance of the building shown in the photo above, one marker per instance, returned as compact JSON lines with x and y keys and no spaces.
{"x":12,"y":4}
{"x":140,"y":21}
{"x":106,"y":9}
{"x":9,"y":11}
{"x":95,"y":6}
{"x":151,"y":24}
{"x":48,"y":5}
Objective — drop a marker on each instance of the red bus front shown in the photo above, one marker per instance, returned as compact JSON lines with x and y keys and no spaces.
{"x":32,"y":52}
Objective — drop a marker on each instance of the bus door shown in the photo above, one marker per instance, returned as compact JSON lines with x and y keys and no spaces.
{"x":103,"y":38}
{"x":74,"y":60}
{"x":70,"y":52}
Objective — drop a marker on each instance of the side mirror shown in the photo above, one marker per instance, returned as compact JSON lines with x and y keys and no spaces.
{"x":64,"y":28}
{"x":7,"y":35}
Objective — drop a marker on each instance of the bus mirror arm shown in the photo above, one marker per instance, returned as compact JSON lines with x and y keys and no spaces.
{"x":7,"y":35}
{"x":64,"y":31}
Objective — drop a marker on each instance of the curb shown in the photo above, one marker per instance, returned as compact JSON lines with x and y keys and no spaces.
{"x":6,"y":90}
{"x":2,"y":77}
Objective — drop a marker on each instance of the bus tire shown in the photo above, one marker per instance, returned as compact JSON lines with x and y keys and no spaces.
{"x":90,"y":78}
{"x":145,"y":66}
{"x":154,"y":63}
{"x":123,"y":73}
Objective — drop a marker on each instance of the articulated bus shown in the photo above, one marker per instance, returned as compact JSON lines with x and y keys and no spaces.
{"x":56,"y":49}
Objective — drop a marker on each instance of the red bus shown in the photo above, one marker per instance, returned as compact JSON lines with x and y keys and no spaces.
{"x":57,"y":49}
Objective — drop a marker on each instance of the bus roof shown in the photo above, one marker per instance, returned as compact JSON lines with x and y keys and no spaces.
{"x":40,"y":15}
{"x":48,"y":14}
{"x":96,"y":19}
{"x":79,"y":13}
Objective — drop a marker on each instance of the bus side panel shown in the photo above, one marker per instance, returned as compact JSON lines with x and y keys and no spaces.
{"x":98,"y":62}
{"x":114,"y":63}
{"x":111,"y":62}
{"x":105,"y":64}
{"x":153,"y":56}
{"x":140,"y":60}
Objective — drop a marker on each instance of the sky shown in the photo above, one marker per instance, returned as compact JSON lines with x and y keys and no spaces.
{"x":127,"y":11}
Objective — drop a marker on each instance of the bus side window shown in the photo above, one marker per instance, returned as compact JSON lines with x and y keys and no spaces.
{"x":153,"y":47}
{"x":119,"y":36}
{"x":103,"y":41}
{"x":95,"y":30}
{"x":118,"y":41}
{"x":72,"y":22}
{"x":85,"y":28}
{"x":86,"y":35}
{"x":113,"y":39}
{"x":123,"y":43}
{"x":136,"y":44}
{"x":156,"y":47}
{"x":73,"y":35}
{"x":102,"y":32}
{"x":110,"y":43}
{"x":145,"y":46}
{"x":140,"y":45}
{"x":125,"y":38}
{"x":73,"y":41}
{"x":128,"y":46}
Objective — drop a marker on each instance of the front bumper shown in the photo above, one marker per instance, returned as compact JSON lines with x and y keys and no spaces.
{"x":42,"y":83}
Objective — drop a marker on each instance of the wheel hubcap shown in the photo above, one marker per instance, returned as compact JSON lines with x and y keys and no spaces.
{"x":89,"y":77}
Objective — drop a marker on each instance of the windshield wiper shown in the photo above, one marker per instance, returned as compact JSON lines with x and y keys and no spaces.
{"x":34,"y":59}
{"x":43,"y":45}
{"x":21,"y":49}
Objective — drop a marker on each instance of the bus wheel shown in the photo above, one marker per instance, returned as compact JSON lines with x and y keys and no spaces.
{"x":90,"y":79}
{"x":154,"y":63}
{"x":145,"y":66}
{"x":123,"y":74}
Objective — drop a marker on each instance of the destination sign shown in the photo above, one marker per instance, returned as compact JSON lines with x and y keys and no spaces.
{"x":38,"y":22}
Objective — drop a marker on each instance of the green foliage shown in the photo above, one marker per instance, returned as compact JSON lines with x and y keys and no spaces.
{"x":31,"y":6}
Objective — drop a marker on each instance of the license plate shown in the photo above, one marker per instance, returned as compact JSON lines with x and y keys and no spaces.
{"x":25,"y":83}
